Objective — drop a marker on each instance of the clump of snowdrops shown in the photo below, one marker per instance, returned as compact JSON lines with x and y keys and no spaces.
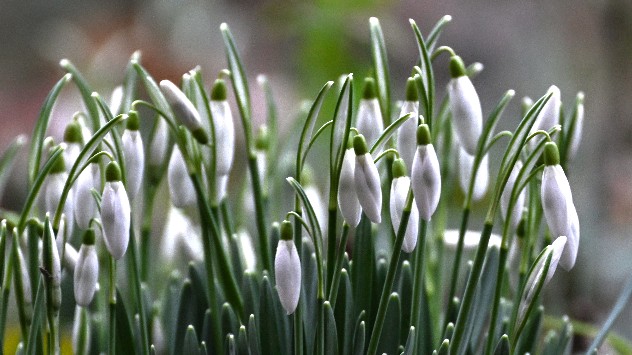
{"x":359,"y":270}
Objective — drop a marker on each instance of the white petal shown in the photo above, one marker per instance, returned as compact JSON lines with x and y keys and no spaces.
{"x":85,"y":205}
{"x":134,"y":160}
{"x":426,"y":180}
{"x":516,"y":211}
{"x":481,"y":183}
{"x":577,"y":132}
{"x":467,"y":117}
{"x":182,"y":107}
{"x":399,"y":193}
{"x":572,"y":245}
{"x":559,"y":246}
{"x":287,"y":269}
{"x":70,"y":257}
{"x":557,"y":201}
{"x":70,"y":154}
{"x":407,"y":133}
{"x":158,"y":145}
{"x":347,"y":197}
{"x":115,"y":217}
{"x":86,"y":275}
{"x":181,"y":187}
{"x":116,"y":100}
{"x":550,"y":114}
{"x":369,"y":121}
{"x":224,"y":135}
{"x":367,"y":186}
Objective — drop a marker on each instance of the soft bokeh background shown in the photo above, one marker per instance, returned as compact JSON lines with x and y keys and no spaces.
{"x":525,"y":45}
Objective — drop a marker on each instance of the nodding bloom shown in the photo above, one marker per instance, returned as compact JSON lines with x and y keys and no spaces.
{"x":287,"y":269}
{"x":347,"y":196}
{"x":134,"y":154}
{"x":399,"y":192}
{"x":86,"y":206}
{"x":53,"y":189}
{"x":73,"y":138}
{"x":224,"y":128}
{"x":578,"y":125}
{"x":115,"y":212}
{"x":369,"y":121}
{"x":86,"y":272}
{"x":550,"y":114}
{"x":467,"y":117}
{"x":181,"y":187}
{"x":481,"y":181}
{"x":426,"y":174}
{"x":407,"y":132}
{"x":557,"y":202}
{"x":516,"y":211}
{"x":183,"y":110}
{"x":367,"y":181}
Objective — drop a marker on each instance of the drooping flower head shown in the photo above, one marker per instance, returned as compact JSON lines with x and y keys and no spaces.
{"x":115,"y":212}
{"x":347,"y":196}
{"x":481,"y":180}
{"x":399,"y":192}
{"x":86,"y":272}
{"x":73,"y":139}
{"x":184,"y":110}
{"x":367,"y":181}
{"x":134,"y":154}
{"x":426,"y":174}
{"x":369,"y":121}
{"x":407,"y":132}
{"x":287,"y":269}
{"x":467,"y":116}
{"x":181,"y":187}
{"x":224,"y":128}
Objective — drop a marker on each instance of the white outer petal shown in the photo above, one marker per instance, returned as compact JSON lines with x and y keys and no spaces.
{"x":347,"y":197}
{"x":86,"y":275}
{"x":184,"y":111}
{"x":134,"y":160}
{"x":559,"y":246}
{"x":85,"y":206}
{"x":116,"y":99}
{"x":426,"y":180}
{"x":550,"y":114}
{"x":569,"y":256}
{"x":115,"y":217}
{"x":181,"y":187}
{"x":516,"y":212}
{"x":467,"y":117}
{"x":224,"y":135}
{"x":399,"y":193}
{"x":70,"y":154}
{"x":158,"y":145}
{"x":287,"y":269}
{"x":481,"y":183}
{"x":554,"y":195}
{"x":367,"y":186}
{"x":407,"y":133}
{"x":369,"y":121}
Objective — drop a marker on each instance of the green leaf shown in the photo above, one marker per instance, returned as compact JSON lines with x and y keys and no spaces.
{"x":184,"y":315}
{"x":503,"y":347}
{"x":314,"y":226}
{"x":308,"y":127}
{"x":170,"y":303}
{"x":389,"y":340}
{"x":358,"y":339}
{"x":125,"y":341}
{"x":344,"y":314}
{"x":380,"y":67}
{"x":41,"y":125}
{"x":363,"y":268}
{"x":129,"y":84}
{"x":331,"y":333}
{"x":426,"y":73}
{"x":253,"y":337}
{"x":433,"y":37}
{"x":388,"y":132}
{"x":309,"y":290}
{"x":410,"y":342}
{"x":250,"y":292}
{"x":270,"y":332}
{"x":340,"y":130}
{"x":86,"y":92}
{"x":528,"y":340}
{"x":36,"y":323}
{"x":7,"y":160}
{"x":191,"y":344}
{"x":405,"y":291}
{"x":230,"y":324}
{"x":231,"y":347}
{"x":242,"y":342}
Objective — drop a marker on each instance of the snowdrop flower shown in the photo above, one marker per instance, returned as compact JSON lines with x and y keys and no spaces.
{"x":550,"y":114}
{"x":158,"y":145}
{"x":407,"y":132}
{"x":287,"y":269}
{"x":73,"y":139}
{"x":116,"y":100}
{"x":481,"y":182}
{"x":183,"y":110}
{"x":115,"y":212}
{"x":516,"y":211}
{"x":86,"y":270}
{"x":86,"y":206}
{"x":426,"y":174}
{"x":347,"y":196}
{"x":399,"y":192}
{"x":367,"y":181}
{"x":181,"y":187}
{"x":369,"y":121}
{"x":467,"y":117}
{"x":579,"y":125}
{"x":557,"y":202}
{"x":134,"y":154}
{"x":224,"y":128}
{"x":54,"y":187}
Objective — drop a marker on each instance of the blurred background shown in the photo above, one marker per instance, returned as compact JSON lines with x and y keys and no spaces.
{"x":525,"y":45}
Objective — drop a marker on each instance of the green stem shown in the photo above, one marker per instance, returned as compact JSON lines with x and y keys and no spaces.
{"x":331,"y":249}
{"x":390,"y":277}
{"x":496,"y":301}
{"x":624,"y":297}
{"x":145,"y":232}
{"x":6,"y":289}
{"x":333,"y":290}
{"x":264,"y":243}
{"x":457,"y":263}
{"x":112,"y":304}
{"x":298,"y":314}
{"x":418,"y":280}
{"x":135,"y":272}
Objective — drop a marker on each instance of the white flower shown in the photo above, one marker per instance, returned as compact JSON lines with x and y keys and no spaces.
{"x":134,"y":156}
{"x":426,"y":175}
{"x":559,"y":209}
{"x":183,"y":110}
{"x":86,"y":206}
{"x":71,"y":153}
{"x":407,"y":133}
{"x":367,"y":181}
{"x":467,"y":117}
{"x":399,"y":193}
{"x":115,"y":212}
{"x":158,"y":144}
{"x":369,"y":121}
{"x":516,"y":211}
{"x":347,"y":196}
{"x":181,"y":187}
{"x":86,"y":272}
{"x":287,"y":270}
{"x":73,"y":140}
{"x":116,"y":100}
{"x":481,"y":182}
{"x":224,"y":128}
{"x":550,"y":114}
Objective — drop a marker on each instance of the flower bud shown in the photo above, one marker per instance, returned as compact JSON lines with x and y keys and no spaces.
{"x":287,"y":270}
{"x":481,"y":182}
{"x":73,"y":139}
{"x":224,"y":128}
{"x":550,"y":114}
{"x":183,"y":110}
{"x":134,"y":154}
{"x":86,"y":272}
{"x":158,"y":144}
{"x":116,"y":100}
{"x":86,"y":206}
{"x":369,"y":121}
{"x":426,"y":175}
{"x":517,"y":208}
{"x":467,"y":117}
{"x":367,"y":181}
{"x":557,"y":203}
{"x":407,"y":132}
{"x":181,"y":187}
{"x":399,"y":192}
{"x":115,"y":212}
{"x":576,"y":136}
{"x":347,"y":196}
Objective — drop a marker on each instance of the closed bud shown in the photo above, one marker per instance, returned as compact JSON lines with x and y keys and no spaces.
{"x":467,"y":116}
{"x":86,"y":272}
{"x":287,"y":269}
{"x":181,"y":187}
{"x":516,"y":209}
{"x":134,"y":154}
{"x":224,"y":128}
{"x":367,"y":181}
{"x":407,"y":132}
{"x":347,"y":196}
{"x":399,"y":192}
{"x":550,"y":114}
{"x":369,"y":121}
{"x":184,"y":110}
{"x":86,"y":206}
{"x":481,"y":181}
{"x":115,"y":212}
{"x":426,"y":175}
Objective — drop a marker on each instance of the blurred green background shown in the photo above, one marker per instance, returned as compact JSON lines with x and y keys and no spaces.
{"x":525,"y":45}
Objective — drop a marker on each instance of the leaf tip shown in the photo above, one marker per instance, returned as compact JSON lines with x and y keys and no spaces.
{"x":223,"y":27}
